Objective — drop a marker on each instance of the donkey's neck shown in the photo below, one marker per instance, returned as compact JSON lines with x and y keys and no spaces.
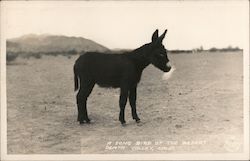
{"x":138,"y":56}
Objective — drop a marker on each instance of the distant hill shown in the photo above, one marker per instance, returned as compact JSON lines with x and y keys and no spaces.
{"x":33,"y":43}
{"x":120,"y":51}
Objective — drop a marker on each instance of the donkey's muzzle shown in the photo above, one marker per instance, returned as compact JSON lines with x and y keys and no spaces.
{"x":168,"y":67}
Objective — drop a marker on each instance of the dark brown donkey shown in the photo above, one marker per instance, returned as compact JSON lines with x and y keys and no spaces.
{"x":118,"y":71}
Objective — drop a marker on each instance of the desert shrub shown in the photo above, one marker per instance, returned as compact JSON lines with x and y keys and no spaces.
{"x":26,"y":55}
{"x":213,"y":49}
{"x":228,"y":49}
{"x":11,"y":56}
{"x":37,"y":55}
{"x":180,"y":51}
{"x":72,"y":52}
{"x":52,"y":53}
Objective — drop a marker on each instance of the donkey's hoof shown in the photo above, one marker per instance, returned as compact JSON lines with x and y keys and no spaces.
{"x":88,"y":121}
{"x":81,"y":122}
{"x":138,"y":121}
{"x":123,"y":123}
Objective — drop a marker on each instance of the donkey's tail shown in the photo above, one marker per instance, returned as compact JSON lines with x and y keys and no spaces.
{"x":76,"y":78}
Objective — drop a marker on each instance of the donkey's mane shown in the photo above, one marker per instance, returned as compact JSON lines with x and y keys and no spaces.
{"x":139,"y":56}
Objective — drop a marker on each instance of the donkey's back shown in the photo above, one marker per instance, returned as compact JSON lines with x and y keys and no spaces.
{"x":107,"y":70}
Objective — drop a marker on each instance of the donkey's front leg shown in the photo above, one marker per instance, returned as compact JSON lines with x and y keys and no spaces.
{"x":122,"y":103}
{"x":132,"y":101}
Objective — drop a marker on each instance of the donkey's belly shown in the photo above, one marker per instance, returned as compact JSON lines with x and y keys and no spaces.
{"x":108,"y":83}
{"x":104,"y":79}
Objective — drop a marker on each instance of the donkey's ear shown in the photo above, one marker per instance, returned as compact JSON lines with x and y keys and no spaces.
{"x":155,"y":36}
{"x":162,"y":36}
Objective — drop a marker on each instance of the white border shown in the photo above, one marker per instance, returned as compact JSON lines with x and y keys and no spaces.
{"x":3,"y":84}
{"x":207,"y":156}
{"x":246,"y":68}
{"x":195,"y":156}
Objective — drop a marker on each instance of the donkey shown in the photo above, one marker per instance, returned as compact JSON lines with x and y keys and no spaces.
{"x":117,"y":71}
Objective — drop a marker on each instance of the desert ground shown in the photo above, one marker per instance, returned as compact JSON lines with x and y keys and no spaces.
{"x":198,"y":110}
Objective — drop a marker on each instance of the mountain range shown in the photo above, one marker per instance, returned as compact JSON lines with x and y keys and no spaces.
{"x":33,"y":43}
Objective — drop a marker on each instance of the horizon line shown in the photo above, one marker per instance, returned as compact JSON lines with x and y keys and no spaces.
{"x":72,"y":36}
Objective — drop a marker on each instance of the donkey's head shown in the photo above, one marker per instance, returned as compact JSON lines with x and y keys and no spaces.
{"x":158,"y":54}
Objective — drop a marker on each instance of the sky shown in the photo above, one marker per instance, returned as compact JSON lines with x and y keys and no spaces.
{"x":130,"y":24}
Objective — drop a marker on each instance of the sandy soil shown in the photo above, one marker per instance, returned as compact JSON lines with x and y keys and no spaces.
{"x":199,"y":109}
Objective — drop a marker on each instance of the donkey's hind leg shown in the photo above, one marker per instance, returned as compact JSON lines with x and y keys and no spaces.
{"x":132,"y":101}
{"x":82,"y":96}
